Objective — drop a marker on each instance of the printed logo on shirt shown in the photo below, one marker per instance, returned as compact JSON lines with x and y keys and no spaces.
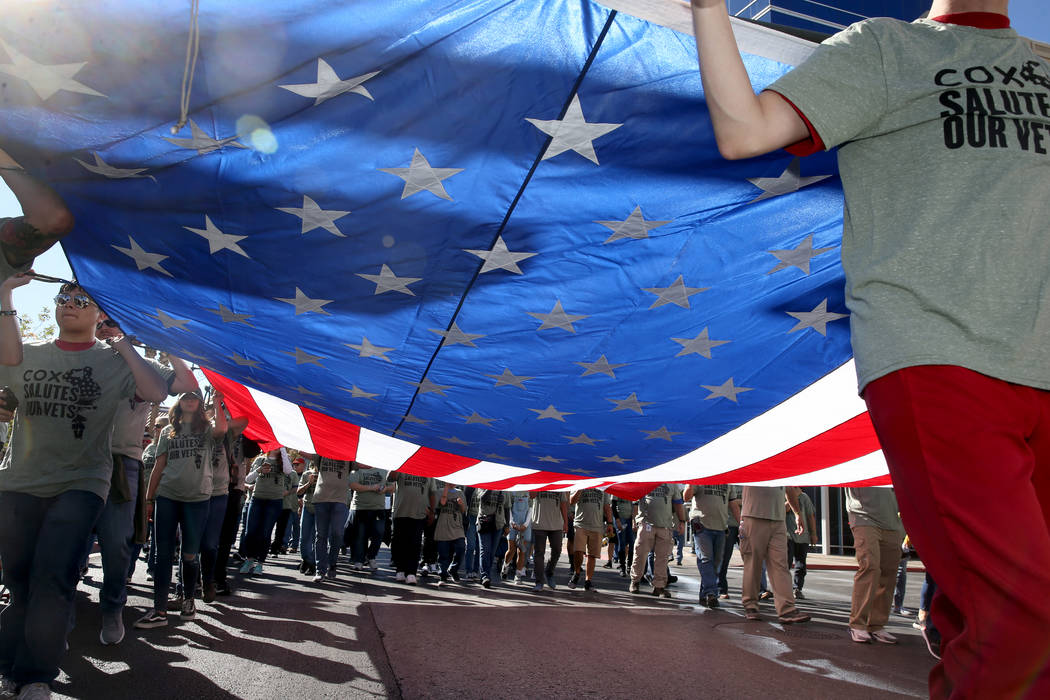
{"x":592,"y":497}
{"x":413,"y":481}
{"x":989,"y":107}
{"x":71,"y":394}
{"x":186,"y":447}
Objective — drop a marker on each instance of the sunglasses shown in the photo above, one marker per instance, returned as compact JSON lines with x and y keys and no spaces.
{"x":81,"y":301}
{"x":108,"y":323}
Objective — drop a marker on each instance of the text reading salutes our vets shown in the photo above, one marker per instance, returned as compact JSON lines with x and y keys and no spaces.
{"x":988,"y":107}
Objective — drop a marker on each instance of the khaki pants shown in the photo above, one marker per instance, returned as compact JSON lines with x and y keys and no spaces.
{"x":878,"y":554}
{"x":765,"y":542}
{"x":658,"y":540}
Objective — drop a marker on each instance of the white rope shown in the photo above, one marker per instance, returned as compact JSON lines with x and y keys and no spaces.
{"x":192,"y":50}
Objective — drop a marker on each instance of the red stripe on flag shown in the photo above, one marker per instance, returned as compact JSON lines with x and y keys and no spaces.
{"x":332,"y":438}
{"x":240,"y":403}
{"x":843,"y":443}
{"x":434,"y":463}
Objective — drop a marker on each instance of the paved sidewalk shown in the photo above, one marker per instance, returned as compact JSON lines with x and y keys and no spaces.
{"x":367,"y":636}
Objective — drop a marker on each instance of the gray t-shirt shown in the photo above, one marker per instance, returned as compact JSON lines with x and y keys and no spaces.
{"x":130,"y":421}
{"x":269,"y":487}
{"x":590,"y":510}
{"x":657,"y":507}
{"x":711,"y":505}
{"x":622,"y":508}
{"x":735,"y":494}
{"x":546,"y":510}
{"x":220,"y":469}
{"x":449,"y":523}
{"x":412,"y":497}
{"x":187,"y":475}
{"x":308,"y":494}
{"x":805,"y":509}
{"x":333,"y":480}
{"x":764,"y":502}
{"x":943,"y":135}
{"x":369,"y":500}
{"x":61,"y":435}
{"x":873,"y":506}
{"x":291,"y":498}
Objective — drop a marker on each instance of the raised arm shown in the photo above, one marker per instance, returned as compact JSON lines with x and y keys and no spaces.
{"x":45,"y":217}
{"x":745,"y":124}
{"x":149,"y":385}
{"x":10,"y":334}
{"x":221,"y":424}
{"x":184,"y":379}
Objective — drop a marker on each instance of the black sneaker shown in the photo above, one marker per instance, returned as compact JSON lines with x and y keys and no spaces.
{"x":223,"y":589}
{"x":486,"y":582}
{"x":175,"y":603}
{"x":209,"y":592}
{"x":454,"y":575}
{"x":712,"y":601}
{"x":574,"y":580}
{"x":588,"y":586}
{"x":671,"y":578}
{"x":150,"y":620}
{"x":705,"y":601}
{"x":623,"y":572}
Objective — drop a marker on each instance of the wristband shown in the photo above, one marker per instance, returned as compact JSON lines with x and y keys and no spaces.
{"x":8,"y":312}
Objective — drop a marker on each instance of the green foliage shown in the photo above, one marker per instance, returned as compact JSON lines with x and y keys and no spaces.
{"x":40,"y":327}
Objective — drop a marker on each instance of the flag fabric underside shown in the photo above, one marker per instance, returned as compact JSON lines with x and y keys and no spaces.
{"x":488,"y":241}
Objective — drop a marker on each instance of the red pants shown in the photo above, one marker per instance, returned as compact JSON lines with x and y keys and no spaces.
{"x":970,"y":461}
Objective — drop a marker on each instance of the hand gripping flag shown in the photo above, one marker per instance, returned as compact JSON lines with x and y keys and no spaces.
{"x":487,"y":241}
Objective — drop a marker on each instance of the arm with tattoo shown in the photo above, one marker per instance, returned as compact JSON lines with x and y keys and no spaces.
{"x":44,"y":221}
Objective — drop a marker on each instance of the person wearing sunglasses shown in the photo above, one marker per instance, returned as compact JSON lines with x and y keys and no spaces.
{"x":123,"y":519}
{"x":56,"y":476}
{"x":45,"y":219}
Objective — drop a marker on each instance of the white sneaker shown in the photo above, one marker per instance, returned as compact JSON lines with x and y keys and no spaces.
{"x":400,"y":577}
{"x":860,"y":636}
{"x":318,"y":578}
{"x":35,"y":691}
{"x":435,"y":569}
{"x":883,"y":637}
{"x":410,"y":580}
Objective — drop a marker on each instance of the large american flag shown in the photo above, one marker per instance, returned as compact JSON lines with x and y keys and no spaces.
{"x":487,"y":241}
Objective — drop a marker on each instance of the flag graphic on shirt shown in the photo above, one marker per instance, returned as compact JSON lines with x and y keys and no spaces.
{"x":487,"y":241}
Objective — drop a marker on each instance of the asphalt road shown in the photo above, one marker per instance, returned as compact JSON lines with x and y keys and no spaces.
{"x":367,"y":636}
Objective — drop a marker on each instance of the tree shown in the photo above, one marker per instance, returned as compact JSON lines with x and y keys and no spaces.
{"x":42,"y":327}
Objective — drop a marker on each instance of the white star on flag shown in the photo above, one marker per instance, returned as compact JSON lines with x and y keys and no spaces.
{"x":329,"y":84}
{"x":572,"y":132}
{"x":144,"y":260}
{"x":313,"y":216}
{"x":45,"y":80}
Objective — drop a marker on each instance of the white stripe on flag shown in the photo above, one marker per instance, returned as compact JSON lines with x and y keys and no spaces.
{"x":486,"y":472}
{"x":285,"y":419}
{"x":821,"y":406}
{"x":382,"y":451}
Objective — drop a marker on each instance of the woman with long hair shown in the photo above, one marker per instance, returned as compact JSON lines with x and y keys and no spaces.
{"x":268,"y":480}
{"x":178,"y":496}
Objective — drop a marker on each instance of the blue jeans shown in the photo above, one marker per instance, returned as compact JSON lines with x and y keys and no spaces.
{"x":329,"y":519}
{"x":488,"y":541}
{"x":210,"y":539}
{"x":116,"y":530}
{"x":727,"y":553}
{"x":189,"y":518}
{"x":307,"y":532}
{"x":41,"y":541}
{"x":625,"y":543}
{"x":291,"y":535}
{"x":710,"y":546}
{"x":262,"y":516}
{"x":450,"y":556}
{"x":471,"y":553}
{"x":368,"y":534}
